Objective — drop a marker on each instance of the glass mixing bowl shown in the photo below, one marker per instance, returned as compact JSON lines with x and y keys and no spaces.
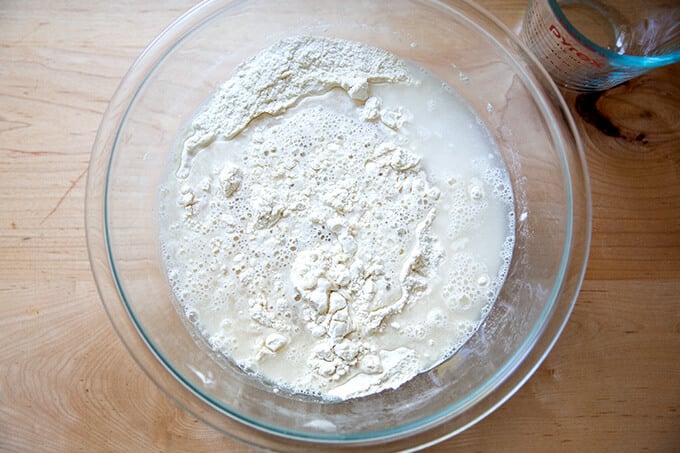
{"x":509,"y":91}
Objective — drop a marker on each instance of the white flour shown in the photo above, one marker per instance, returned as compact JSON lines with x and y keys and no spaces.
{"x":336,"y":220}
{"x":278,"y":77}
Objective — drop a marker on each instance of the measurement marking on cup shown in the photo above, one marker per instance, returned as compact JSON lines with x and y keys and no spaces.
{"x":570,"y":47}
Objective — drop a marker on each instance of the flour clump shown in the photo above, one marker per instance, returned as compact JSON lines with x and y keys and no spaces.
{"x":326,"y":225}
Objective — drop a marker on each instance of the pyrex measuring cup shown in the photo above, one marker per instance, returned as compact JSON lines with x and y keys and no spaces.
{"x":589,"y":45}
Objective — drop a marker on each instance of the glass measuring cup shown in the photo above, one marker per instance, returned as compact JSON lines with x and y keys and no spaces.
{"x":590,"y":45}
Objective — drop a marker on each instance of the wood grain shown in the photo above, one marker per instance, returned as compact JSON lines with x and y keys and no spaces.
{"x":612,"y":382}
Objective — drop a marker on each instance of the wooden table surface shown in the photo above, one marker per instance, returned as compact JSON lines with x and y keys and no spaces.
{"x":612,"y":382}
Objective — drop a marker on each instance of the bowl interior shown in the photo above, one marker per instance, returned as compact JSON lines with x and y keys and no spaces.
{"x":459,"y":43}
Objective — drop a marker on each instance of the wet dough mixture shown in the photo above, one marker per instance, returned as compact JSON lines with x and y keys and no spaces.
{"x":336,"y":220}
